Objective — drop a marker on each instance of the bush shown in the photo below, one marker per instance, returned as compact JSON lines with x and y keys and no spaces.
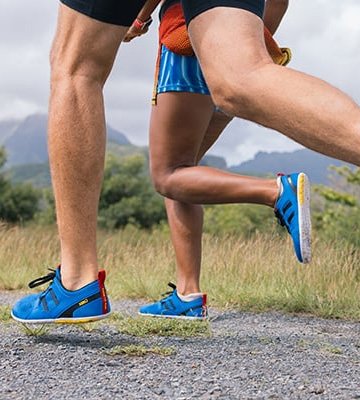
{"x":127,"y":195}
{"x":244,"y":219}
{"x":339,"y":217}
{"x":18,"y":203}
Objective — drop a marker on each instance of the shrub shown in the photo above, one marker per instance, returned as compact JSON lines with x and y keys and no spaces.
{"x":18,"y":203}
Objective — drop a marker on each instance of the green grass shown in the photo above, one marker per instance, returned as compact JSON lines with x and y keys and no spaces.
{"x":323,"y":347}
{"x":140,"y":350}
{"x":144,"y":326}
{"x":36,"y":330}
{"x":5,"y":314}
{"x":256,"y":274}
{"x":329,"y":348}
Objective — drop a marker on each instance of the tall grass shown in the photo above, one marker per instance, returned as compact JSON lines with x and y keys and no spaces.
{"x":258,"y":273}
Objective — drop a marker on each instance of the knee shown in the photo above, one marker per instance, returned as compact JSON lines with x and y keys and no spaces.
{"x":229,"y":98}
{"x":160,"y":179}
{"x":239,"y":95}
{"x":68,"y":62}
{"x":165,"y":179}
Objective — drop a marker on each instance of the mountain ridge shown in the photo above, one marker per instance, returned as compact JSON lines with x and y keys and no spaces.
{"x":25,"y":142}
{"x":315,"y":165}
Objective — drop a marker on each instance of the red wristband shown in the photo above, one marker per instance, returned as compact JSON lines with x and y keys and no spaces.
{"x":141,"y":25}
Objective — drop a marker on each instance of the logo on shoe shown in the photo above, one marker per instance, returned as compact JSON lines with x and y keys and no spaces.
{"x":83,"y":302}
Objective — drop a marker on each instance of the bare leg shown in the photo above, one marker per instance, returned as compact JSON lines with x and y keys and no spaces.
{"x":244,"y":82}
{"x":186,"y":222}
{"x":81,"y":59}
{"x":174,"y":149}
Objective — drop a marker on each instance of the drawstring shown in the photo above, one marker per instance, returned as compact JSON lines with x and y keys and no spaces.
{"x":43,"y":279}
{"x":173,"y":287}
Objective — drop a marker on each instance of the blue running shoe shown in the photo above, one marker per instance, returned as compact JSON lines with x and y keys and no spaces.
{"x":172,"y":306}
{"x":292,"y":210}
{"x":59,"y":305}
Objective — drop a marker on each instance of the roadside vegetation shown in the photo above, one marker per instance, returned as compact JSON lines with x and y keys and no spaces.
{"x":144,"y":326}
{"x":248,"y":260}
{"x":257,"y":273}
{"x":139,"y":350}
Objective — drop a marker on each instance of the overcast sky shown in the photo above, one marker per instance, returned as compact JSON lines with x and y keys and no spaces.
{"x":324,"y":36}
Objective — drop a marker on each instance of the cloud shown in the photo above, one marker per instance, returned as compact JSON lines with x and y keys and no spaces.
{"x":324,"y":37}
{"x":26,"y":31}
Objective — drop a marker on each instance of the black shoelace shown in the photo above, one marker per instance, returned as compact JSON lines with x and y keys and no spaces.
{"x":43,"y":279}
{"x":168,"y":293}
{"x":281,"y":220}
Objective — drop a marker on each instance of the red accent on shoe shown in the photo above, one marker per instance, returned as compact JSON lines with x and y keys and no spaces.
{"x":204,"y":306}
{"x":101,"y":280}
{"x":204,"y":299}
{"x":280,"y":174}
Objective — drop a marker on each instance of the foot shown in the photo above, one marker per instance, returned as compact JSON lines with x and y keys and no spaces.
{"x":59,"y":305}
{"x":292,"y":209}
{"x":172,"y":306}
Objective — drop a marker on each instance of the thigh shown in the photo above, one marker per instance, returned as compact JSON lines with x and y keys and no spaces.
{"x":178,"y":125}
{"x":217,"y":124}
{"x":225,"y":61}
{"x":84,"y":46}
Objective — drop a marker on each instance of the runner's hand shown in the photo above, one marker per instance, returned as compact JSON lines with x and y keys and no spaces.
{"x":134,"y":32}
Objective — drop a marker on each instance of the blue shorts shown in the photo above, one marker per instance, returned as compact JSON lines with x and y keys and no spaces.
{"x":180,"y":74}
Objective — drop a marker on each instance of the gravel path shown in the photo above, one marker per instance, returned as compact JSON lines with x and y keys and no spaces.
{"x":248,"y":356}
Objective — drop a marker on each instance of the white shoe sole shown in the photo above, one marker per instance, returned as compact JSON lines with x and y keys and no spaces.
{"x":83,"y":320}
{"x":183,"y":317}
{"x":303,"y":194}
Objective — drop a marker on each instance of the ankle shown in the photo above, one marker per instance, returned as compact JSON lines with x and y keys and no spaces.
{"x":76,"y":284}
{"x":274,"y":193}
{"x":185,"y":290}
{"x":75,"y":281}
{"x":190,"y":297}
